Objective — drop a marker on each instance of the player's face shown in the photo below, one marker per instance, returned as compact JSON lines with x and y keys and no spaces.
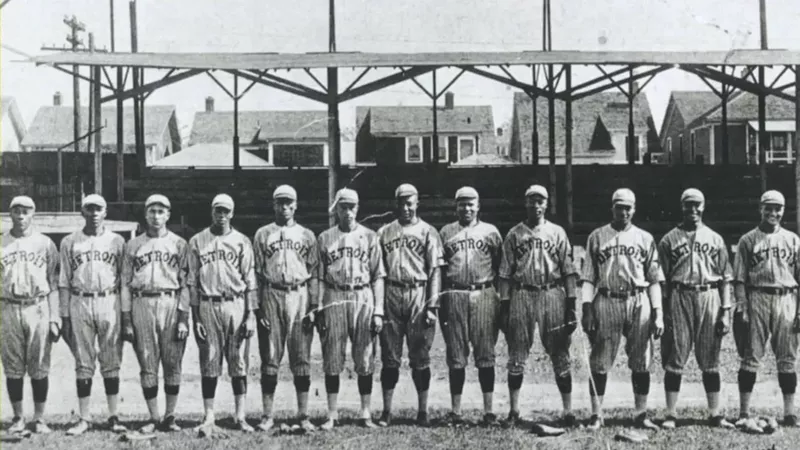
{"x":94,"y":215}
{"x":692,"y":211}
{"x":535,"y":205}
{"x":623,"y":213}
{"x":771,"y":214}
{"x":285,"y":208}
{"x":467,"y":209}
{"x":407,"y":207}
{"x":346,"y":212}
{"x":21,"y":217}
{"x":157,"y":216}
{"x":221,"y":216}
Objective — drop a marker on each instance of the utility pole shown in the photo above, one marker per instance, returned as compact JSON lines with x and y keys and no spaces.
{"x":763,"y":137}
{"x":334,"y":152}
{"x":120,"y":106}
{"x":98,"y":124}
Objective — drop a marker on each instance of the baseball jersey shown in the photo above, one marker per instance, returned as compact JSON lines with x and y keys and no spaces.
{"x":350,"y":258}
{"x":472,"y":252}
{"x":155,"y":264}
{"x":694,"y":257}
{"x":29,"y":265}
{"x":222,"y":265}
{"x":410,"y":252}
{"x":768,"y":259}
{"x":285,"y":255}
{"x":91,"y":263}
{"x":621,"y":260}
{"x":536,"y":256}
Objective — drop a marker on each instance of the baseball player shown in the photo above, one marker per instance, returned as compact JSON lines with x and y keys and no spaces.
{"x":697,"y":304}
{"x":537,"y":287}
{"x":30,"y":311}
{"x":623,"y":271}
{"x":351,"y":275}
{"x":224,"y":295}
{"x":286,"y":258}
{"x":155,"y":308}
{"x":89,"y":281}
{"x":413,"y":256}
{"x":766,"y":274}
{"x":471,"y":305}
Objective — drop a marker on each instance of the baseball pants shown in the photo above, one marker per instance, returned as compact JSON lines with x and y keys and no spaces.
{"x":470,"y":318}
{"x":285,"y":311}
{"x":95,"y":319}
{"x":771,"y":318}
{"x":155,"y":321}
{"x":348,"y":315}
{"x":693,"y":317}
{"x":617,"y":318}
{"x":25,"y":339}
{"x":546,"y":309}
{"x":223,"y":321}
{"x":406,"y":318}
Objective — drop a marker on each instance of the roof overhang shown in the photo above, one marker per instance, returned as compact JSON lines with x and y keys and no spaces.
{"x":275,"y":61}
{"x":774,"y":125}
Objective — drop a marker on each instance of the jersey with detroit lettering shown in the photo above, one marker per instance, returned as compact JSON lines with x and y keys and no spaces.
{"x":472,"y":252}
{"x":350,"y":258}
{"x":694,"y":257}
{"x":29,"y":265}
{"x":411,"y":252}
{"x":285,"y":255}
{"x":221,"y":265}
{"x":621,"y":260}
{"x":91,"y":263}
{"x":155,"y":264}
{"x":768,"y":259}
{"x":537,"y":256}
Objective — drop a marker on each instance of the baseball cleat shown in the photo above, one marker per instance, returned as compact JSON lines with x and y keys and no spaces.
{"x":149,"y":427}
{"x":512,"y":420}
{"x":40,"y":427}
{"x":366,"y":423}
{"x":490,"y":420}
{"x":720,"y":422}
{"x":790,"y":420}
{"x":569,"y":420}
{"x":385,"y":420}
{"x":454,"y":420}
{"x":79,"y":428}
{"x":306,"y":425}
{"x":422,"y":419}
{"x":266,"y":424}
{"x":17,"y":425}
{"x":115,"y":425}
{"x":642,"y":421}
{"x":169,"y":424}
{"x":243,"y":426}
{"x":205,"y":430}
{"x":669,"y":423}
{"x":595,"y":422}
{"x":329,"y":424}
{"x":749,"y":425}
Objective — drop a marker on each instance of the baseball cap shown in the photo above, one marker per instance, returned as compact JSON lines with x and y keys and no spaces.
{"x":466,"y":192}
{"x":405,"y":190}
{"x":773,"y":198}
{"x":536,"y":189}
{"x":24,"y":201}
{"x":94,"y":199}
{"x":157,"y":199}
{"x":285,"y":191}
{"x":346,"y":195}
{"x":693,"y":195}
{"x":223,"y":200}
{"x":623,"y":196}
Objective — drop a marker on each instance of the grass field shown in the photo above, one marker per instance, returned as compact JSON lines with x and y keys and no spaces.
{"x":540,"y":401}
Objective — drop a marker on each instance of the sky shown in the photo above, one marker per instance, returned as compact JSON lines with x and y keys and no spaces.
{"x":379,"y":26}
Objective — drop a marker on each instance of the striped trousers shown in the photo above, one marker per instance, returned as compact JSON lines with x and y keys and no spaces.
{"x":771,"y":318}
{"x":155,"y":321}
{"x":470,"y":318}
{"x":691,"y":322}
{"x":617,"y":318}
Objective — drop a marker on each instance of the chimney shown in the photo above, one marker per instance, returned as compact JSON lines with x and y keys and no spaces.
{"x":209,"y":104}
{"x":57,"y":99}
{"x":449,"y":100}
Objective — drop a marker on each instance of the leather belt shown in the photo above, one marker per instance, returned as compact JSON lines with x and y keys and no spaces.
{"x":472,"y":287}
{"x":218,"y":298}
{"x":94,"y":294}
{"x":154,"y":294}
{"x":27,"y":301}
{"x":406,"y":284}
{"x":697,"y":287}
{"x":773,"y":290}
{"x":620,"y":294}
{"x":287,"y":288}
{"x":538,"y":288}
{"x":347,"y":287}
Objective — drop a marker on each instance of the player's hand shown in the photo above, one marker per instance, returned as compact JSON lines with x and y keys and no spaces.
{"x":430,"y":317}
{"x":588,"y":323}
{"x":658,"y":325}
{"x":262,"y":320}
{"x":308,"y":321}
{"x":55,"y":332}
{"x":182,"y":329}
{"x":723,"y":325}
{"x":200,"y":333}
{"x":319,"y":322}
{"x":128,"y":333}
{"x":570,"y":321}
{"x":796,"y":324}
{"x":377,"y":324}
{"x":248,"y":327}
{"x":66,"y":330}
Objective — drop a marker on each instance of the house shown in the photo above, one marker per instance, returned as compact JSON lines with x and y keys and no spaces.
{"x":404,"y":134}
{"x":281,"y":138}
{"x":693,"y":134}
{"x":13,"y":127}
{"x":210,"y":156}
{"x":599,"y":129}
{"x":52,"y":128}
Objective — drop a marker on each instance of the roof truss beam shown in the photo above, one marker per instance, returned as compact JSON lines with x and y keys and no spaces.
{"x":262,"y":79}
{"x":744,"y":85}
{"x":618,"y":83}
{"x":513,"y":83}
{"x":147,"y":88}
{"x":399,"y":77}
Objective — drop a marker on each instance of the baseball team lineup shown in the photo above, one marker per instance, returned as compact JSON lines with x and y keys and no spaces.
{"x":378,"y":290}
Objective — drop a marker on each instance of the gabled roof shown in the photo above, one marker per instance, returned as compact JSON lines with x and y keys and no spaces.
{"x":610,"y":109}
{"x":690,"y":105}
{"x":419,"y":119}
{"x":208,"y":156}
{"x":745,"y":107}
{"x":52,"y":126}
{"x":9,"y":106}
{"x":217,"y":126}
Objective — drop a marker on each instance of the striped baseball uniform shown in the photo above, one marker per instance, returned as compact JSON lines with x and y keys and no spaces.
{"x":285,"y":259}
{"x":348,"y":264}
{"x":29,"y":267}
{"x":692,"y":260}
{"x":410,"y":253}
{"x":155,"y":269}
{"x":90,"y":270}
{"x":537,"y":261}
{"x":622,"y":265}
{"x":765,"y":262}
{"x":471,"y":303}
{"x":222,"y":270}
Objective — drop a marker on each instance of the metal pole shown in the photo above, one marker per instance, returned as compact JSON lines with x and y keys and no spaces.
{"x":568,"y":149}
{"x":435,"y":142}
{"x":141,"y":157}
{"x":551,"y":138}
{"x":631,"y":131}
{"x":98,"y":122}
{"x":763,"y":137}
{"x":236,"y":165}
{"x":725,"y":151}
{"x":796,"y":143}
{"x":334,"y":154}
{"x":762,"y":11}
{"x":535,"y":133}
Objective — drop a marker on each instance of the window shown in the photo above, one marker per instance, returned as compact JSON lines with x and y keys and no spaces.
{"x":297,"y":155}
{"x":778,"y":148}
{"x":444,"y":149}
{"x":466,"y":147}
{"x":414,"y":149}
